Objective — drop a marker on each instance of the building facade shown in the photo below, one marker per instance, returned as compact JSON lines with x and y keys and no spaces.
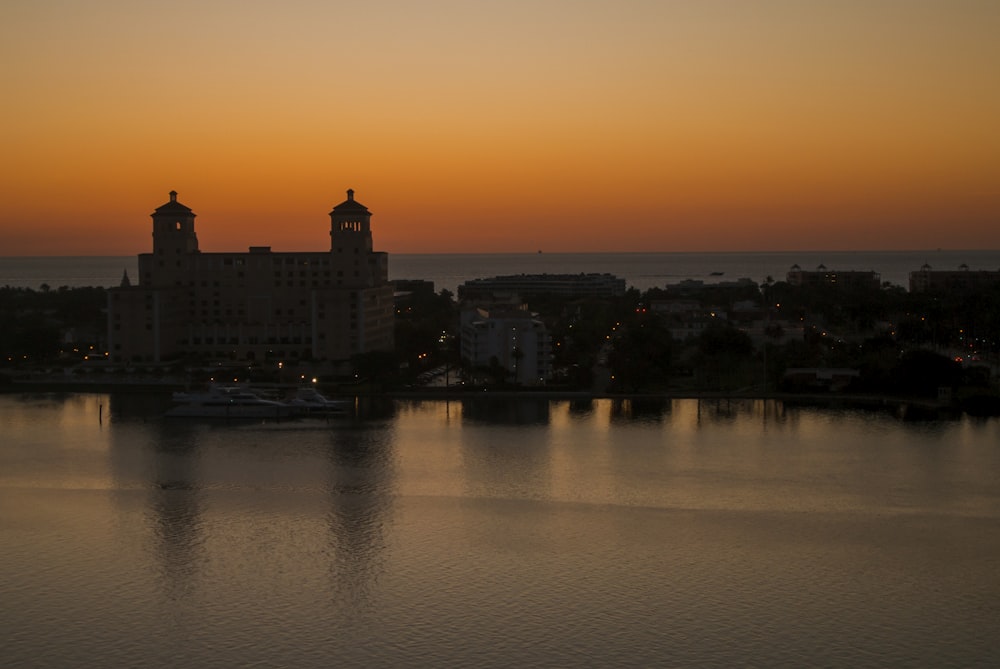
{"x":530,"y":285}
{"x":254,"y":306}
{"x":821,"y":276}
{"x":961,"y":280}
{"x":512,"y":338}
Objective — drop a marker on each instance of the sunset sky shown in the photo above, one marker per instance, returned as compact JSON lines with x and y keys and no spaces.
{"x":503,"y":126}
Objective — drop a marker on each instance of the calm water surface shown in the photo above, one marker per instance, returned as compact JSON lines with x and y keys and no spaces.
{"x":496,"y":534}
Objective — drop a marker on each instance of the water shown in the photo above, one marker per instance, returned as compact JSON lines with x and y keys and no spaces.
{"x":496,"y":534}
{"x":641,"y":270}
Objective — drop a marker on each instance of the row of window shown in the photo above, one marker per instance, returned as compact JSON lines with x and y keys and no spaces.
{"x":149,"y":326}
{"x":250,"y":341}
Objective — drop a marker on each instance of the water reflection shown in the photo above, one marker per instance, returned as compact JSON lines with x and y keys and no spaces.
{"x":163,"y":458}
{"x":360,"y":471}
{"x":506,"y":460}
{"x":174,"y":511}
{"x":506,"y":410}
{"x":725,"y":409}
{"x":639,"y":409}
{"x":136,"y":406}
{"x":373,"y":407}
{"x":431,"y":537}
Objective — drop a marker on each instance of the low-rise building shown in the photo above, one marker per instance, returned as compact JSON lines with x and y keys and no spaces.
{"x":512,"y":338}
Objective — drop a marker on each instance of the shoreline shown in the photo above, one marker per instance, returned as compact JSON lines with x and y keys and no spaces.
{"x":151,"y":386}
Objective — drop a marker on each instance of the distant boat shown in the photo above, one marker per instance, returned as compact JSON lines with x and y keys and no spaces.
{"x":226,"y":402}
{"x":716,"y":273}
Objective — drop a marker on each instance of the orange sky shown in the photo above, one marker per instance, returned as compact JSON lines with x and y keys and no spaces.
{"x":490,"y":126}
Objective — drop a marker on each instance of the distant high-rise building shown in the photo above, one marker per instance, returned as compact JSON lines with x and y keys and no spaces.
{"x":253,"y":306}
{"x":533,"y":285}
{"x":822,"y":276}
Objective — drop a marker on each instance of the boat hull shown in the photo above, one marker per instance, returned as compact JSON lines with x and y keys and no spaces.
{"x":226,"y":402}
{"x":229,"y":411}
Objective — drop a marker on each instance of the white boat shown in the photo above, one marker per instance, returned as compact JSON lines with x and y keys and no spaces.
{"x":226,"y":402}
{"x":309,"y":400}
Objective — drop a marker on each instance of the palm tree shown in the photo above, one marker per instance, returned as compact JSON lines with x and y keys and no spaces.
{"x":516,"y":354}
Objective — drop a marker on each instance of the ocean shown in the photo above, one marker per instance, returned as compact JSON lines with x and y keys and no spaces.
{"x":640,"y":270}
{"x":496,"y":533}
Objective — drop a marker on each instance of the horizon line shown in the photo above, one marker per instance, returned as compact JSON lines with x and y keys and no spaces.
{"x":543,"y":252}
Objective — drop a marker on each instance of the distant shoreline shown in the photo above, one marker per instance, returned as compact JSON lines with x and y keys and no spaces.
{"x":641,"y":269}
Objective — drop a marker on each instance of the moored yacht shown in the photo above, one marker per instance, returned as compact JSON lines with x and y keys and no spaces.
{"x":226,"y":402}
{"x":308,"y":400}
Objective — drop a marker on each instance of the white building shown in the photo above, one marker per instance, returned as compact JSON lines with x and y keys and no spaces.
{"x":512,"y":338}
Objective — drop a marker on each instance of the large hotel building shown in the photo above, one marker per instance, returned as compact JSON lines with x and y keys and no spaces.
{"x":253,"y":306}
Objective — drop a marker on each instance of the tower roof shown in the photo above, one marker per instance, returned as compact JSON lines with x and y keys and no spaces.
{"x":173,"y":207}
{"x":350,"y":205}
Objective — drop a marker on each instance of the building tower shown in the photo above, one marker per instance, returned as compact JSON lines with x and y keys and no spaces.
{"x":350,"y":227}
{"x":173,"y":229}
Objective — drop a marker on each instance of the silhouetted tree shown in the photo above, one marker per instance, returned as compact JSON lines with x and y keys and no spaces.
{"x":641,"y":354}
{"x":921,"y":373}
{"x":722,"y":353}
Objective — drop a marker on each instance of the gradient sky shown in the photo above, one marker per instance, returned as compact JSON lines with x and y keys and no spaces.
{"x":503,"y":126}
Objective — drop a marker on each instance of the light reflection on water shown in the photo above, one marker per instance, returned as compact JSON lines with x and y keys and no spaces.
{"x":496,"y":532}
